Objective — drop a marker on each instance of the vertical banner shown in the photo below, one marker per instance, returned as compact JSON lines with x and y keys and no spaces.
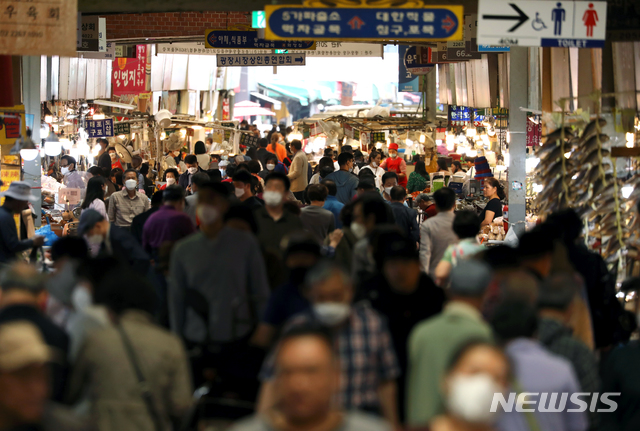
{"x":534,"y":133}
{"x":406,"y":81}
{"x":130,"y":74}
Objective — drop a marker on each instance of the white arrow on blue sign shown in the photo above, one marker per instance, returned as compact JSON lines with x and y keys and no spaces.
{"x":239,"y":60}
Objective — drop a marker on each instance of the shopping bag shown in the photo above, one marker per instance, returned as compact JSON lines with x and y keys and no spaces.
{"x":511,"y":239}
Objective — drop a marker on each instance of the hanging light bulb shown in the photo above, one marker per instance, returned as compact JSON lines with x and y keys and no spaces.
{"x":537,"y":188}
{"x":52,"y":149}
{"x":422,"y":139}
{"x":630,"y":140}
{"x":163,"y":136}
{"x":508,"y":138}
{"x":29,"y":154}
{"x":626,"y":190}
{"x":66,"y":143}
{"x":471,"y":132}
{"x":507,"y":159}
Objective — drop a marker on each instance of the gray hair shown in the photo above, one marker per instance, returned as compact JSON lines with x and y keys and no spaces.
{"x":22,"y":276}
{"x":324,"y":271}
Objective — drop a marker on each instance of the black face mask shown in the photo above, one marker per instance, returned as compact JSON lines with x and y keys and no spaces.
{"x":297,"y":274}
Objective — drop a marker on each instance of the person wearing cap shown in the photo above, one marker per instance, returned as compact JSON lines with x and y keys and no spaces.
{"x":243,"y":152}
{"x":16,"y":200}
{"x":433,"y":341}
{"x":302,"y":253}
{"x":225,"y":267}
{"x":396,"y":164}
{"x":169,"y":223}
{"x":72,"y":178}
{"x":112,"y":241}
{"x":22,"y":297}
{"x":346,"y":182}
{"x":401,"y":293}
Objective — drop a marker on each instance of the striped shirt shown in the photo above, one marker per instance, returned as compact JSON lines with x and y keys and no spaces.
{"x":365,"y":351}
{"x":122,"y":208}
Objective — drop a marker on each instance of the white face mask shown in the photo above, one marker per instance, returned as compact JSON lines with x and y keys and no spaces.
{"x":223,"y":172}
{"x":112,"y":155}
{"x":64,"y":170}
{"x":332,"y":313}
{"x":130,"y":184}
{"x":208,"y":214}
{"x":81,"y":298}
{"x":272,"y":199}
{"x":358,"y":230}
{"x":387,"y":190}
{"x":171,"y":181}
{"x":374,"y":164}
{"x":95,"y":239}
{"x":271,"y":167}
{"x":393,"y":155}
{"x":192,"y":170}
{"x":239,"y":193}
{"x":470,"y":398}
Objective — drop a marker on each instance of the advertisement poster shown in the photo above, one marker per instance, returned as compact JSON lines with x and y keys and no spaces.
{"x":129,"y":75}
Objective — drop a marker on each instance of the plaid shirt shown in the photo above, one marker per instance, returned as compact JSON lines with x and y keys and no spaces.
{"x":366,"y":355}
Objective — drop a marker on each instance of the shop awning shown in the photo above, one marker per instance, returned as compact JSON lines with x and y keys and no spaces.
{"x":276,"y":103}
{"x":250,"y":109}
{"x":280,"y":91}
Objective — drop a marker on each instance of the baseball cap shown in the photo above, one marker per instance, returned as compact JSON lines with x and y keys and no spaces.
{"x":88,"y":220}
{"x":21,"y":344}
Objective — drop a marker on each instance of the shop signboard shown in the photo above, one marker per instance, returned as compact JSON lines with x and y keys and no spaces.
{"x":129,"y":74}
{"x":623,"y":20}
{"x":237,"y":60}
{"x":121,"y":129}
{"x":249,"y":140}
{"x":430,"y":23}
{"x":565,"y":24}
{"x":90,"y":34}
{"x":248,"y":39}
{"x":459,"y":116}
{"x":407,"y":82}
{"x":378,"y":137}
{"x":417,"y":60}
{"x":323,"y":49}
{"x":109,"y":54}
{"x":490,"y":48}
{"x":38,"y":28}
{"x":100,"y":128}
{"x":534,"y":133}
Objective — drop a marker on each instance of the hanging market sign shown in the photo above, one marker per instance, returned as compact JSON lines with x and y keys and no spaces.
{"x":323,"y":49}
{"x":424,"y":24}
{"x":378,"y":137}
{"x":459,"y":116}
{"x":417,"y":60}
{"x":231,"y":60}
{"x":564,"y":24}
{"x":534,"y":133}
{"x":249,"y":140}
{"x":122,"y":128}
{"x":248,"y":39}
{"x":129,"y":74}
{"x":39,"y":28}
{"x":100,"y":128}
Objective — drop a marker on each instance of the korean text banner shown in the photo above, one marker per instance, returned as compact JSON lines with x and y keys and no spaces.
{"x":129,"y":74}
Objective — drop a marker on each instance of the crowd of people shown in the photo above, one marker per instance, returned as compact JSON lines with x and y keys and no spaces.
{"x":324,"y":305}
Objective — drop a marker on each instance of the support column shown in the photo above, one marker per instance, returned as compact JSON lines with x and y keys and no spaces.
{"x":31,"y":66}
{"x":518,"y":92}
{"x":431,"y":96}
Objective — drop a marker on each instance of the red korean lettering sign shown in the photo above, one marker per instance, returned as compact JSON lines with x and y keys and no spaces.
{"x":534,"y":133}
{"x":129,"y":74}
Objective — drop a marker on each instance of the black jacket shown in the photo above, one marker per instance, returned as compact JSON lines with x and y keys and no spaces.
{"x":183,"y":181}
{"x":406,"y":219}
{"x":125,"y":248}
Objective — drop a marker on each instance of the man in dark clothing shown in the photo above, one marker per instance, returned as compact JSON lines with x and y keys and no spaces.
{"x":113,"y":241}
{"x":244,"y":186}
{"x":406,"y":218}
{"x":16,"y":200}
{"x":104,"y":160}
{"x":137,"y":225}
{"x":168,"y":224}
{"x":192,"y":168}
{"x":22,"y":297}
{"x":403,"y":294}
{"x":262,"y":152}
{"x":346,"y":182}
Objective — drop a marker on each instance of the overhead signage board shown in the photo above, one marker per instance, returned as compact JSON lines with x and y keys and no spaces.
{"x":566,"y":24}
{"x":258,"y":19}
{"x":407,"y":82}
{"x":489,"y":48}
{"x":109,"y":54}
{"x":431,"y":23}
{"x":100,"y":128}
{"x":90,"y":34}
{"x":323,"y":49}
{"x":417,"y":60}
{"x":38,"y":28}
{"x":623,"y":20}
{"x":249,"y":40}
{"x":231,"y":60}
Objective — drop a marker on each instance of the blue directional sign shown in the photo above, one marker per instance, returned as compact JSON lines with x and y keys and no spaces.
{"x":489,"y":48}
{"x":431,"y":23}
{"x":248,"y":39}
{"x":238,"y":60}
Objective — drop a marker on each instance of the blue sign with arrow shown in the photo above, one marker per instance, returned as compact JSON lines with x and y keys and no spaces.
{"x":248,"y":39}
{"x":432,"y":23}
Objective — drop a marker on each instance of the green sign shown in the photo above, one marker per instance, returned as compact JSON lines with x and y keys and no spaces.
{"x":282,"y":51}
{"x":122,"y":129}
{"x":258,"y":19}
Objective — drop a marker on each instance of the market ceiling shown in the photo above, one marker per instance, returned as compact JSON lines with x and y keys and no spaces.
{"x":145,"y":6}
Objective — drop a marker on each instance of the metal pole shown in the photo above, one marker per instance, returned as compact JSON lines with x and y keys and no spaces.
{"x":31,"y":66}
{"x":518,"y":71}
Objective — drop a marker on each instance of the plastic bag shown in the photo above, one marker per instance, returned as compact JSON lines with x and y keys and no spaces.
{"x":511,"y":239}
{"x":49,"y":236}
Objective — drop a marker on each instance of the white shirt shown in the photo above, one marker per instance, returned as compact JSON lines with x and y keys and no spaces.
{"x":378,"y":172}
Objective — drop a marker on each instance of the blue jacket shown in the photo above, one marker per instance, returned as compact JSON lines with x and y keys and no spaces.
{"x":335,"y":207}
{"x":346,"y":183}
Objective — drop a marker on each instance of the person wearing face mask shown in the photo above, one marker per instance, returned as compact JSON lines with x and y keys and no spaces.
{"x":170,"y":178}
{"x":362,"y":342}
{"x":396,"y":164}
{"x":127,"y":203}
{"x":222,"y":265}
{"x":374,"y":166}
{"x":243,"y":183}
{"x":72,"y":178}
{"x":274,"y":221}
{"x":185,"y":179}
{"x":136,"y":164}
{"x":94,"y":198}
{"x":433,"y":342}
{"x":272,"y":165}
{"x":346,"y":182}
{"x":198,"y":180}
{"x":113,"y":241}
{"x":537,"y":370}
{"x":168,"y":224}
{"x":115,"y":160}
{"x":402,"y":293}
{"x":476,"y":372}
{"x":301,"y":254}
{"x":298,"y":171}
{"x":16,"y":200}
